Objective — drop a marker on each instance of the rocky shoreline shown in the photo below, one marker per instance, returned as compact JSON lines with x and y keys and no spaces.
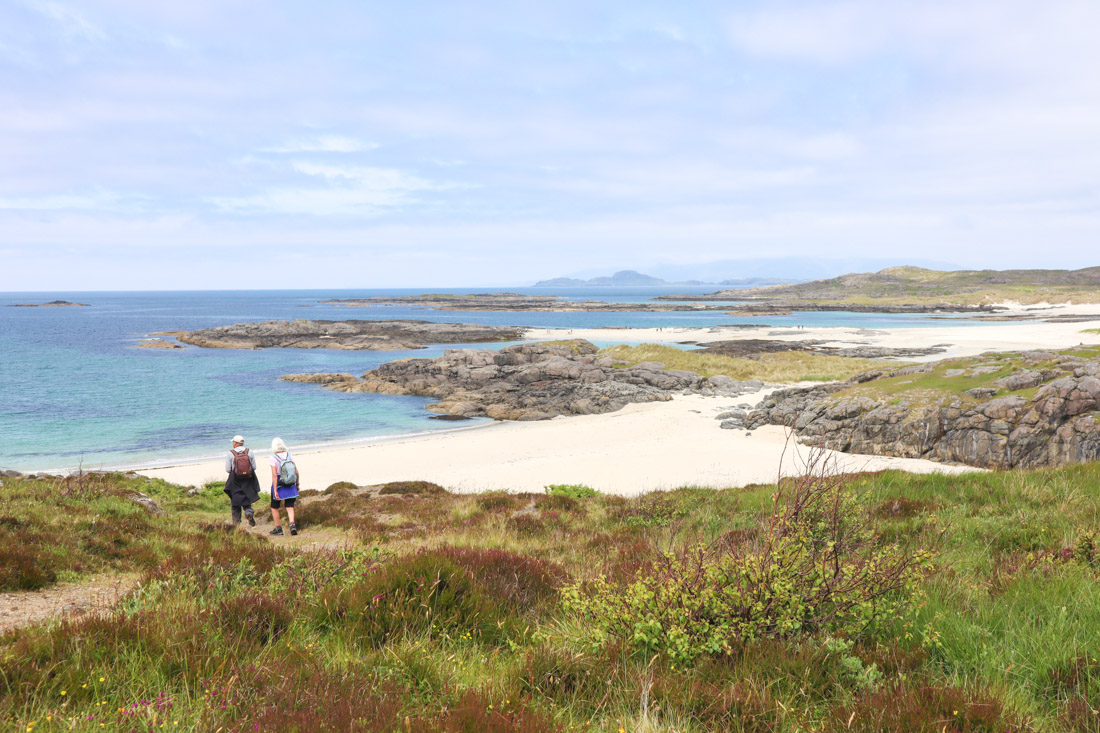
{"x":397,"y":335}
{"x":516,"y":302}
{"x":529,"y":382}
{"x":995,"y":411}
{"x":754,"y":348}
{"x":787,"y":307}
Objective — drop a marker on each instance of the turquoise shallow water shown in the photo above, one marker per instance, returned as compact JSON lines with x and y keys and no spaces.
{"x":75,"y":390}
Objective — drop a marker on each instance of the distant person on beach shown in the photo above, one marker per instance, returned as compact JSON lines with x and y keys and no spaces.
{"x":242,"y":485}
{"x":284,"y":485}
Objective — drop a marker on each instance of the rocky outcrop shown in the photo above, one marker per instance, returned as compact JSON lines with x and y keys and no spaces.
{"x":159,"y":344}
{"x":1052,"y":422}
{"x":528,"y":382}
{"x":753,"y":348}
{"x":345,"y":335}
{"x":517,"y":302}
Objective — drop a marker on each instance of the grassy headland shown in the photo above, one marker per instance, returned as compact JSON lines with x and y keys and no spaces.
{"x":783,"y":367}
{"x":428,"y":611}
{"x":897,"y":286}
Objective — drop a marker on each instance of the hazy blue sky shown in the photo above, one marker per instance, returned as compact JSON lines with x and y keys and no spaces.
{"x":233,"y":143}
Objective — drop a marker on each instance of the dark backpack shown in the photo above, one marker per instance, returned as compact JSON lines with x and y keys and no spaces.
{"x":242,"y":464}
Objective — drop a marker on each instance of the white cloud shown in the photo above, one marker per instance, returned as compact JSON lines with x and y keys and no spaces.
{"x":348,"y":191}
{"x":324,"y":144}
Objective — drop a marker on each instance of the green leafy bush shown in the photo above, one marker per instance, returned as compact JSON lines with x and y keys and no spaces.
{"x":817,"y":566}
{"x":573,"y":491}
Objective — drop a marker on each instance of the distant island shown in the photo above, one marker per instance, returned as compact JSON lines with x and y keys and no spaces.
{"x":898,"y":289}
{"x":51,"y":304}
{"x":515,"y":302}
{"x":632,"y":278}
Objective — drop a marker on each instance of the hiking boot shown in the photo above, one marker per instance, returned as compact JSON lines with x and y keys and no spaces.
{"x":293,"y":528}
{"x":277,"y":530}
{"x":251,"y":519}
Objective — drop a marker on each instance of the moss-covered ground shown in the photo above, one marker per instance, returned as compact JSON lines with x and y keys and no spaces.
{"x":441,"y":612}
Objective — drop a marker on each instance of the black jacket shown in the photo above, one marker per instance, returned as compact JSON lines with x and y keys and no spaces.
{"x":242,"y":491}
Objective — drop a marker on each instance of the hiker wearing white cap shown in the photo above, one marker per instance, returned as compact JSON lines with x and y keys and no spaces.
{"x":242,"y":485}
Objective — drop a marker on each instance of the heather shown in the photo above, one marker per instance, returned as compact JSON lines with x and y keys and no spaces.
{"x":870,"y":602}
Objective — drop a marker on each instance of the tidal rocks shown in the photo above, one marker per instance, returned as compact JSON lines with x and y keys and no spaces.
{"x":154,"y":343}
{"x":1045,"y":416}
{"x":346,"y":335}
{"x":753,"y":348}
{"x":528,"y":382}
{"x":515,"y":302}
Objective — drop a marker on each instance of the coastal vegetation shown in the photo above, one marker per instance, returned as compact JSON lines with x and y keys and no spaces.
{"x":962,"y":602}
{"x":996,"y":410}
{"x":782,"y":367}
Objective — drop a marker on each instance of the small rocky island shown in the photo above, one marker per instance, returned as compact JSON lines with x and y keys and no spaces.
{"x":51,"y":304}
{"x":529,"y":382}
{"x":518,"y":302}
{"x":344,"y":335}
{"x":1002,"y":411}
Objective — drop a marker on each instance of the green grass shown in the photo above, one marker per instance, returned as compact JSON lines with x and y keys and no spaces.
{"x":286,"y":637}
{"x":787,"y":366}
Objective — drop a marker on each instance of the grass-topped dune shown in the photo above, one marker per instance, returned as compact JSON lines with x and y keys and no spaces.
{"x":870,"y":602}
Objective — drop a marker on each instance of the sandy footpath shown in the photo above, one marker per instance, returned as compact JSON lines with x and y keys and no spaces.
{"x":958,"y":340}
{"x":639,"y":448}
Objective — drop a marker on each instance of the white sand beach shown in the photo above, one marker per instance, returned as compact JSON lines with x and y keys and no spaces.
{"x":644,"y":447}
{"x":640,"y":448}
{"x":958,"y":340}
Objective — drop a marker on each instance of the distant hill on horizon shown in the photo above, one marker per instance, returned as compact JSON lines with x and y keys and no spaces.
{"x":633,"y":278}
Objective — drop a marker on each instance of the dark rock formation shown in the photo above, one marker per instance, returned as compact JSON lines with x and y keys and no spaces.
{"x":345,"y":335}
{"x":528,"y":382}
{"x":1053,"y":422}
{"x":517,"y":302}
{"x":752,"y":348}
{"x":51,"y":304}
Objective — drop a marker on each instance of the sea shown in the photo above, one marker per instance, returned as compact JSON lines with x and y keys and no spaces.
{"x":76,"y":392}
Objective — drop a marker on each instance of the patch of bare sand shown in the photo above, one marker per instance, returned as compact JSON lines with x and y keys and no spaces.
{"x":99,"y":595}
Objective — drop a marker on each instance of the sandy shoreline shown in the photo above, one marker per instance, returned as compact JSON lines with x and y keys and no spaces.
{"x":637,"y":449}
{"x":644,"y":447}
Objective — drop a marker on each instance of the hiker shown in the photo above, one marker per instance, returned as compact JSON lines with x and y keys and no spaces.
{"x":242,"y":485}
{"x":284,"y":485}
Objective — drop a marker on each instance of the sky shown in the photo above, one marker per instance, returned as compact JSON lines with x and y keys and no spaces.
{"x":242,"y":144}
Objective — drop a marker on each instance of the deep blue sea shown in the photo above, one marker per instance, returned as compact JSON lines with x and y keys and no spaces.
{"x":76,"y":391}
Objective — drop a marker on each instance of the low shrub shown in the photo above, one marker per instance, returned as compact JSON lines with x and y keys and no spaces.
{"x":286,"y":695}
{"x":476,"y":711}
{"x":522,"y":582}
{"x":414,"y":594}
{"x":412,"y":487}
{"x":24,"y":567}
{"x":340,"y":488}
{"x":573,"y":491}
{"x":496,"y":501}
{"x":917,"y":705}
{"x":255,"y":616}
{"x":817,"y":566}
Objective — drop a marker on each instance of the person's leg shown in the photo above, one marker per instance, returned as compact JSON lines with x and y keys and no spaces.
{"x":275,"y":516}
{"x":236,"y":511}
{"x":250,"y":515}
